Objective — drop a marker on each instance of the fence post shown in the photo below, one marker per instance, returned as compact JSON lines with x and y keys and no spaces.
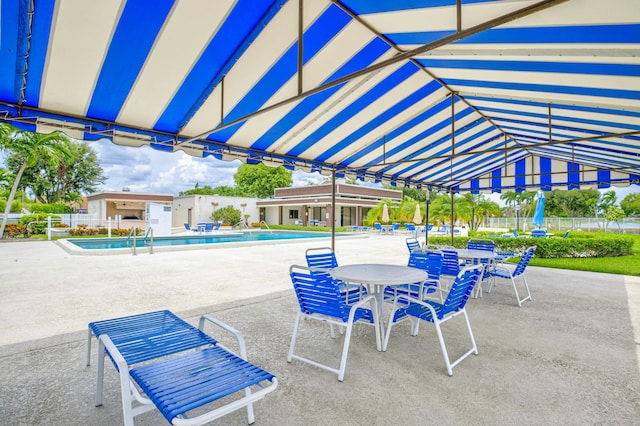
{"x":109,"y":226}
{"x":48,"y":228}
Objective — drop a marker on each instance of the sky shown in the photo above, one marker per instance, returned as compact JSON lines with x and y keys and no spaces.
{"x":147,"y":170}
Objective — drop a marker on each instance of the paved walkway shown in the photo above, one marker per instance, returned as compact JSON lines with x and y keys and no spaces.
{"x":568,"y":357}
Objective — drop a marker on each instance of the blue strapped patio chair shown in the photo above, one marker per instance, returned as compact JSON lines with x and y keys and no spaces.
{"x":410,"y":228}
{"x":429,"y":261}
{"x":164,"y":362}
{"x":450,"y":263}
{"x":412,"y":244}
{"x":323,"y":258}
{"x":539,"y":233}
{"x":484,"y":245}
{"x":518,"y":272}
{"x":189,"y":228}
{"x":378,"y":228}
{"x":320,"y":299}
{"x":438,"y":313}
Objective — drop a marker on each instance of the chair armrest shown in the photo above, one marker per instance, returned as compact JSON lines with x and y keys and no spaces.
{"x":224,"y":326}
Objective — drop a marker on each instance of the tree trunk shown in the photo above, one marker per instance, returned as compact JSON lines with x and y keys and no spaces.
{"x":12,"y":195}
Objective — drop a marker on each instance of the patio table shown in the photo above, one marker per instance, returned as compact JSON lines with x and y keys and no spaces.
{"x":377,"y":276}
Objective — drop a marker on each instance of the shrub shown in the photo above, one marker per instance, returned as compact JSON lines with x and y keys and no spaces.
{"x":37,"y":223}
{"x":16,"y":206}
{"x":583,"y":245}
{"x":15,"y":230}
{"x":228,"y":215}
{"x":50,"y":208}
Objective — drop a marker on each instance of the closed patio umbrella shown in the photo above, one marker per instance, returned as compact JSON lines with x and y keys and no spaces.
{"x":538,"y":215}
{"x":385,"y":213}
{"x":417,"y":217}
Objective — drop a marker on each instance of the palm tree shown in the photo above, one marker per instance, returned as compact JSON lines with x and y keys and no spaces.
{"x":30,"y":147}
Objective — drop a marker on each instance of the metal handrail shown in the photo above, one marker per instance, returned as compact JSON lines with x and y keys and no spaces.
{"x":132,"y":234}
{"x":149,"y":236}
{"x":265,"y":224}
{"x":239,"y":225}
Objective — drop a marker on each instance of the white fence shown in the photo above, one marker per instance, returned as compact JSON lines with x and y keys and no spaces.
{"x":586,"y":224}
{"x":75,"y":219}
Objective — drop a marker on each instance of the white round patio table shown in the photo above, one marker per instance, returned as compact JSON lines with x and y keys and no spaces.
{"x":377,"y":276}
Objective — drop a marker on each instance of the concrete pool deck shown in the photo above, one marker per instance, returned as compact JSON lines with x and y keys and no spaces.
{"x":568,"y":357}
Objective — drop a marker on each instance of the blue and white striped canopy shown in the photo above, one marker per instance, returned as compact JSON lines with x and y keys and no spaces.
{"x":467,"y":95}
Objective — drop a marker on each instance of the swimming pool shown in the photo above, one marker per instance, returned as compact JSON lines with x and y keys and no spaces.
{"x":185,"y":242}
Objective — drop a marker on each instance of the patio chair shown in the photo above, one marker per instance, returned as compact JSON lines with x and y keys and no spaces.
{"x":431,"y":262}
{"x":320,"y":299}
{"x":378,"y":228}
{"x":438,"y":313}
{"x":189,"y":228}
{"x":216,"y":228}
{"x":324,"y":258}
{"x":484,"y":245}
{"x":450,"y":263}
{"x":410,"y":228}
{"x":164,"y":362}
{"x":395,"y":227}
{"x":518,"y":272}
{"x":539,"y":233}
{"x":412,"y":244}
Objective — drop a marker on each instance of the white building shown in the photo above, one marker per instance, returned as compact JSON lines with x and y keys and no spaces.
{"x":311,"y":205}
{"x":193,"y":209}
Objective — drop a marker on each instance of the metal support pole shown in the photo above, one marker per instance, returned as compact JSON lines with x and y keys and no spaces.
{"x":333,"y":209}
{"x":426,"y":221}
{"x":452,"y":224}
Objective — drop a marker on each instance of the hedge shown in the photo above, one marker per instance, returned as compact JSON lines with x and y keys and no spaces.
{"x":605,"y":245}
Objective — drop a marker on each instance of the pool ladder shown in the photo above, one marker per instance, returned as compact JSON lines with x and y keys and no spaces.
{"x":265,"y":224}
{"x":147,"y":242}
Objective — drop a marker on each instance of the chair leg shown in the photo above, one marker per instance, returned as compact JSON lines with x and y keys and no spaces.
{"x":474,"y":348}
{"x":345,"y":352}
{"x":445,"y":354}
{"x":293,"y":337}
{"x":526,"y":286}
{"x":443,"y":347}
{"x":250,"y":416}
{"x":89,"y":336}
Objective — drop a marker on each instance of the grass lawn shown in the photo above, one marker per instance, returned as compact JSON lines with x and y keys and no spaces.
{"x":624,"y":265}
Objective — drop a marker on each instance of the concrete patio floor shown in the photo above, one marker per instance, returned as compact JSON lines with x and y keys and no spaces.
{"x":569,"y":357}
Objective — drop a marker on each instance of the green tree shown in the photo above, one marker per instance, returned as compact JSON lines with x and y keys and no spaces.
{"x":631,"y":204}
{"x":524,"y":200}
{"x":64,"y":181}
{"x":614,"y":214}
{"x":225,"y":190}
{"x":258,"y":180}
{"x":30,"y":148}
{"x":574,"y":203}
{"x":473,"y":207}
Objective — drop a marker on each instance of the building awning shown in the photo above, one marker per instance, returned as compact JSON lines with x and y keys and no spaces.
{"x":471,"y":95}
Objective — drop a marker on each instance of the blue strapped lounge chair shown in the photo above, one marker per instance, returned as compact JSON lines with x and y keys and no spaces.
{"x":438,"y":313}
{"x":518,"y":272}
{"x":320,"y":299}
{"x":158,"y":368}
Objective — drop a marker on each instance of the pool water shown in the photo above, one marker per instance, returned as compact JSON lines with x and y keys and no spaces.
{"x":183,"y":240}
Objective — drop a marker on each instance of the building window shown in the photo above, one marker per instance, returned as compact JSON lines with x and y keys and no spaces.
{"x":293,"y":214}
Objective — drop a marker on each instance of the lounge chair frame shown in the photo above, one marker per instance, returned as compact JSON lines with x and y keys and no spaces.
{"x":165,"y":363}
